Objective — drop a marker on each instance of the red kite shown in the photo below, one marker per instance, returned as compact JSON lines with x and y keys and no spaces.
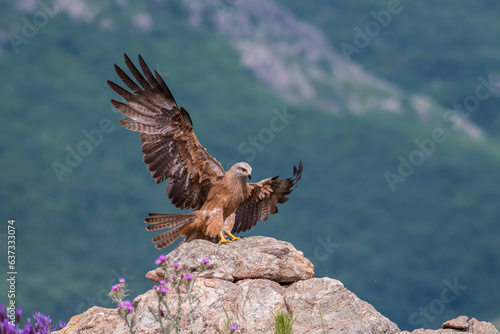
{"x":224,"y":203}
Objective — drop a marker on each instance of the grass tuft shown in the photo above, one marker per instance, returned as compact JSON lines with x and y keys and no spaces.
{"x":283,"y":322}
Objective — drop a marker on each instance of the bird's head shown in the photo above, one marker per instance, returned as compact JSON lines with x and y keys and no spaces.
{"x":242,"y":170}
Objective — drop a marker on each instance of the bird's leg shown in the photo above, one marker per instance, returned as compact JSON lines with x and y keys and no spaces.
{"x":232,"y":236}
{"x":222,"y":239}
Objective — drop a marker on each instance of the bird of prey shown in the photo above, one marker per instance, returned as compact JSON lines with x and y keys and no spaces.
{"x":224,"y":202}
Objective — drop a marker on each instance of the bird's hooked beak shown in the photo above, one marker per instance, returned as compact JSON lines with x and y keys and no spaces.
{"x":249,"y":175}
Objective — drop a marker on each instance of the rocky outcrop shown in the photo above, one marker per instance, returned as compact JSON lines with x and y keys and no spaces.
{"x":460,"y":325}
{"x":248,"y":282}
{"x":252,"y":257}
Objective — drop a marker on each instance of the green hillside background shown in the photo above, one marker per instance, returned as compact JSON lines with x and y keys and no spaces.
{"x":398,"y":249}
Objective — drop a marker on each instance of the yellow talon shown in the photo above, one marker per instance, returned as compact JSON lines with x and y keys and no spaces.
{"x":232,"y":236}
{"x":222,"y":239}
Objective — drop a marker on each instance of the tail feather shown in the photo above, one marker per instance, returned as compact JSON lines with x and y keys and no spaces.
{"x":173,"y":221}
{"x":159,"y":221}
{"x":160,"y":226}
{"x":170,"y":235}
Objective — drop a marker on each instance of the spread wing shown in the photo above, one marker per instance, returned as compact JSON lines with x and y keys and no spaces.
{"x":263,"y":200}
{"x":171,"y":149}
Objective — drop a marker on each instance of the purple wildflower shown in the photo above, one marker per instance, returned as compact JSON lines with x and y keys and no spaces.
{"x":42,"y":320}
{"x":18,"y":314}
{"x":182,"y":276}
{"x":233,"y":328}
{"x":28,"y":329}
{"x":164,"y":289}
{"x":128,"y":306}
{"x":121,"y":280}
{"x":189,"y":277}
{"x":163,"y":282}
{"x":176,"y":265}
{"x":10,"y":328}
{"x":174,"y":278}
{"x":161,"y":259}
{"x":205,"y":261}
{"x":116,"y":287}
{"x":155,"y":287}
{"x":43,"y":324}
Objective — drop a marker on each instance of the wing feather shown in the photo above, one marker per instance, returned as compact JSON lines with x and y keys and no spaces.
{"x":163,"y":86}
{"x":171,"y":149}
{"x":137,"y":75}
{"x":141,"y":114}
{"x":139,"y":126}
{"x":264,"y":199}
{"x":126,"y":79}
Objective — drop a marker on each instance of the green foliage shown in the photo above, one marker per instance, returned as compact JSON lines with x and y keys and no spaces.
{"x":283,"y":322}
{"x":424,"y":46}
{"x":322,"y":321}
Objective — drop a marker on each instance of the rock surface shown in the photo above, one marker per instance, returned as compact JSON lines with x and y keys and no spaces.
{"x":249,"y":281}
{"x":95,"y":320}
{"x":460,"y":325}
{"x":250,"y":305}
{"x":252,"y":257}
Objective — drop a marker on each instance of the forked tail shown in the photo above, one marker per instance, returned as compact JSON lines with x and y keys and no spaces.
{"x":175,"y":222}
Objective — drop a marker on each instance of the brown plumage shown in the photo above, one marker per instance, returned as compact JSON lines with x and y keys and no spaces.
{"x":224,"y":202}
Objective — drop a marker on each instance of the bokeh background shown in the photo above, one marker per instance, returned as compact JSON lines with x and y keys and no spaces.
{"x":391,"y":105}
